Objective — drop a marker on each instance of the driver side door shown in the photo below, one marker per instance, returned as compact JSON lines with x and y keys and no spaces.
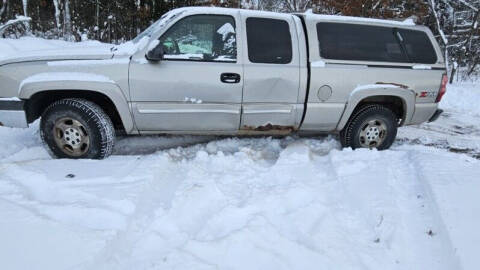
{"x":198,"y":84}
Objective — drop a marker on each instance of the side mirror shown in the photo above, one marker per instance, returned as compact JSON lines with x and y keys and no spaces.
{"x":156,"y":54}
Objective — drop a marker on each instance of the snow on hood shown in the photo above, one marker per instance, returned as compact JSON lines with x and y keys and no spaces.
{"x":35,"y":49}
{"x":59,"y":54}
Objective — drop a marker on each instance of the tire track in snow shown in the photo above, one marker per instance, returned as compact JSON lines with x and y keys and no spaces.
{"x":442,"y":230}
{"x":157,"y":193}
{"x":53,"y":200}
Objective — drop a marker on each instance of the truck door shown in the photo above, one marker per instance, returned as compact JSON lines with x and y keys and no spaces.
{"x":271,"y":99}
{"x":198,"y":84}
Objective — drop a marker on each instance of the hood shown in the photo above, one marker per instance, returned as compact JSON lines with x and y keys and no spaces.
{"x":78,"y":53}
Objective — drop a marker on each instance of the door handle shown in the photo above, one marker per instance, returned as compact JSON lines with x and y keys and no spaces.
{"x":230,"y":78}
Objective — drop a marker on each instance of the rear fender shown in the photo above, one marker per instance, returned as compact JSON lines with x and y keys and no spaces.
{"x":407,"y":96}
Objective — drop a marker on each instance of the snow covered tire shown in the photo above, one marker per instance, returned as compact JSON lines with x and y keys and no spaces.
{"x":78,"y":129}
{"x":371,"y":126}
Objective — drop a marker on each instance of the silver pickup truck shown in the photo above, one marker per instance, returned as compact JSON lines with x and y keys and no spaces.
{"x":231,"y":72}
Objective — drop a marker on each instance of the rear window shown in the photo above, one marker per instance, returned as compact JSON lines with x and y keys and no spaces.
{"x":343,"y":41}
{"x":269,"y":41}
{"x":418,"y":46}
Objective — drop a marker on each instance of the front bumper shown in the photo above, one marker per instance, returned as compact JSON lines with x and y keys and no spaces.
{"x":12,"y":114}
{"x":435,"y":116}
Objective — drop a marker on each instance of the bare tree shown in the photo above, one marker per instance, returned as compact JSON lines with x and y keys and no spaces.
{"x":68,"y":22}
{"x":4,"y":7}
{"x":25,"y":6}
{"x":433,"y":6}
{"x":56,"y":4}
{"x":277,"y":5}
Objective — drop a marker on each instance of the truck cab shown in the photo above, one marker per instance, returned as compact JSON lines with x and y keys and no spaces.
{"x":223,"y":70}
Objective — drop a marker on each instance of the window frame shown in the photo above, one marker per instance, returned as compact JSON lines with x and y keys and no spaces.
{"x":395,"y":32}
{"x":203,"y":60}
{"x":292,"y":43}
{"x":404,"y":45}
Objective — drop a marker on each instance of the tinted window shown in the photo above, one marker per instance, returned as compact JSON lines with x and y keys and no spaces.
{"x":269,"y":41}
{"x":343,"y":41}
{"x":418,"y":46}
{"x":201,"y":38}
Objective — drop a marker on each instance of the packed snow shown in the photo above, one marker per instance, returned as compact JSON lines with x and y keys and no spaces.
{"x":202,"y":202}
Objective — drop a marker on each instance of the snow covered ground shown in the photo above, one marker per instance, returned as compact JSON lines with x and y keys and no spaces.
{"x":180,"y":202}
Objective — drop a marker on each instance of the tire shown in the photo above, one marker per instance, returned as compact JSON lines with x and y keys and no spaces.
{"x":77,"y":129}
{"x":371,"y":126}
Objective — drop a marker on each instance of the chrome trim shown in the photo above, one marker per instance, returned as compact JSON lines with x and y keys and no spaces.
{"x":153,"y":111}
{"x":266,"y":111}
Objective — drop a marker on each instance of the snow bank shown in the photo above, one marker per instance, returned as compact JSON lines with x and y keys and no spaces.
{"x":463,"y":98}
{"x":228,"y":204}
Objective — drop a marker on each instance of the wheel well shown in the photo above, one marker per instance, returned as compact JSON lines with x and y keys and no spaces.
{"x":396,"y":104}
{"x":37,"y":104}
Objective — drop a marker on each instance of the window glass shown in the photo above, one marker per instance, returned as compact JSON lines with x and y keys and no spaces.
{"x":342,"y":41}
{"x":418,"y":46}
{"x":201,"y":38}
{"x":269,"y":41}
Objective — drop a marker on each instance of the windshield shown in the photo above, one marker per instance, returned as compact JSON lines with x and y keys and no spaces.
{"x":167,"y":17}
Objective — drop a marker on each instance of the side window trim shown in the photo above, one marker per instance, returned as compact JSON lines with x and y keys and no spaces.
{"x":234,"y":19}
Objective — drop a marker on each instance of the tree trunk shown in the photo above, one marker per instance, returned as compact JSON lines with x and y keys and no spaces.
{"x":57,"y":14}
{"x":4,"y":7}
{"x":68,"y":36}
{"x":25,"y":6}
{"x":440,"y":30}
{"x":452,"y":74}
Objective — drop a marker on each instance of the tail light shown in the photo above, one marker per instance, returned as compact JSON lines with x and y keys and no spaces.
{"x":443,"y":88}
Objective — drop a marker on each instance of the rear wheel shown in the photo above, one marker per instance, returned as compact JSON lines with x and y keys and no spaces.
{"x":77,"y":128}
{"x":371,"y":126}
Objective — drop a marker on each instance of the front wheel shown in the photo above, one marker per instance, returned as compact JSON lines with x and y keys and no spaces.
{"x":77,"y":129}
{"x":372,"y":126}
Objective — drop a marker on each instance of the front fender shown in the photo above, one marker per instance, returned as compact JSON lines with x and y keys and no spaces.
{"x":408,"y":97}
{"x":80,"y":82}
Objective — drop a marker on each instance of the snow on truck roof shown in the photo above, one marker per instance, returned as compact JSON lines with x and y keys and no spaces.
{"x":308,"y":14}
{"x":337,"y":18}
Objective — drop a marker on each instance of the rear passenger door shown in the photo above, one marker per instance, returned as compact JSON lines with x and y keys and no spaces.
{"x":271,"y":73}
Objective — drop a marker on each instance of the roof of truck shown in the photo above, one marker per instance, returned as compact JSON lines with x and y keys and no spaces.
{"x":336,"y":18}
{"x":307,"y":15}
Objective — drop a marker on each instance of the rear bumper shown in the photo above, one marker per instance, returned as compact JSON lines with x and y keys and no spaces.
{"x":423,"y":112}
{"x":435,"y":116}
{"x":12,"y":114}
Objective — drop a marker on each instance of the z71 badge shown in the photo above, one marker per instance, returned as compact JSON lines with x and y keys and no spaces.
{"x":427,"y":95}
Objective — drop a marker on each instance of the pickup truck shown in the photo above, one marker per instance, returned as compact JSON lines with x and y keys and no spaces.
{"x":200,"y":70}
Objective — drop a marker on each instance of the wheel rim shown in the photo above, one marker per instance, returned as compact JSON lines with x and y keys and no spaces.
{"x":71,"y":137}
{"x":373,"y":133}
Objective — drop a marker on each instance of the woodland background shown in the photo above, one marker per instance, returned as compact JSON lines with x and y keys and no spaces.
{"x":455,"y":22}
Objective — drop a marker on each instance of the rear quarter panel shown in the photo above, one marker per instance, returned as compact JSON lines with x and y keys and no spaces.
{"x":343,"y":77}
